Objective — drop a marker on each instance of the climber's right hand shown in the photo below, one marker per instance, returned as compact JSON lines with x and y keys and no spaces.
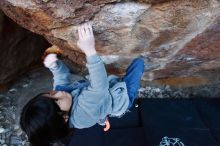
{"x":86,"y":40}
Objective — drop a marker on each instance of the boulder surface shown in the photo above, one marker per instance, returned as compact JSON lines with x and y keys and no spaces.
{"x":179,"y":39}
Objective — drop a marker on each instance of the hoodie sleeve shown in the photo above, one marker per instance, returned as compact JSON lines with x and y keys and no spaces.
{"x":61,"y":74}
{"x":86,"y":110}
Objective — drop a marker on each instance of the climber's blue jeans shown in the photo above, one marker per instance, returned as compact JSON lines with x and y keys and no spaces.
{"x":132,"y":79}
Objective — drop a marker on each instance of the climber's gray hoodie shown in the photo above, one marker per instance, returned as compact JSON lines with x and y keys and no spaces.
{"x":93,"y":102}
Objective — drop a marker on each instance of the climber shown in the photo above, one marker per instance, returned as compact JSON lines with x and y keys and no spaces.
{"x":81,"y":104}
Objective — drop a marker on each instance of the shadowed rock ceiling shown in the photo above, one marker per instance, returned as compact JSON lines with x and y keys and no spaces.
{"x":177,"y":38}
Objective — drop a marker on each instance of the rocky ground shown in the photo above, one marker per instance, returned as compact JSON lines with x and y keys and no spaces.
{"x":39,"y":80}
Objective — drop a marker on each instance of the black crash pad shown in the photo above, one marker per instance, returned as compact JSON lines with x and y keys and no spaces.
{"x":159,"y":122}
{"x":193,"y":121}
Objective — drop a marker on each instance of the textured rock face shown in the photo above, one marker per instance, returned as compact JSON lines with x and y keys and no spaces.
{"x":19,"y":49}
{"x":177,"y":38}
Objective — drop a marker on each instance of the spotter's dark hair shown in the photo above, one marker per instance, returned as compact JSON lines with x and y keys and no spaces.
{"x":42,"y":122}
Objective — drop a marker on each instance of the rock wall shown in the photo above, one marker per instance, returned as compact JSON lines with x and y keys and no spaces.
{"x":177,"y":38}
{"x":20,"y":49}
